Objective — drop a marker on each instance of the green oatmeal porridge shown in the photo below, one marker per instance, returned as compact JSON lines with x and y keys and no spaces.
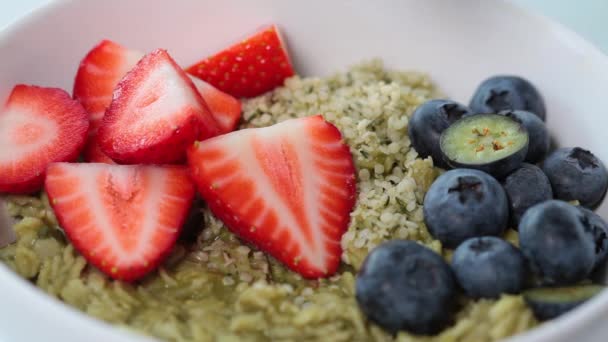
{"x":217,"y":288}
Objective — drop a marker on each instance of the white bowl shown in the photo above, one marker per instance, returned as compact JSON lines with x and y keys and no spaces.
{"x":458,"y":42}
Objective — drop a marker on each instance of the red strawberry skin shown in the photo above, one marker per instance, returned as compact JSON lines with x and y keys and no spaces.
{"x":124,"y":219}
{"x":249,"y":68}
{"x":155,"y":114}
{"x":92,"y":152}
{"x":288,"y":189}
{"x":226,"y":110}
{"x":38,"y":126}
{"x":98,"y":74}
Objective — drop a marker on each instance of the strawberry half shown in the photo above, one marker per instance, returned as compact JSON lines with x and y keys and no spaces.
{"x":289,"y":189}
{"x":92,"y":152}
{"x":124,"y":219}
{"x":249,"y":68}
{"x":226,"y":110}
{"x":155,"y":114}
{"x":38,"y":126}
{"x":98,"y":74}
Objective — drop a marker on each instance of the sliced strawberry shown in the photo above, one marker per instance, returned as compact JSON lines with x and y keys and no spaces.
{"x":38,"y":126}
{"x":124,"y":219}
{"x":289,"y":189}
{"x":226,"y":110}
{"x":93,"y":153}
{"x":98,"y":74}
{"x":155,"y":114}
{"x":249,"y":68}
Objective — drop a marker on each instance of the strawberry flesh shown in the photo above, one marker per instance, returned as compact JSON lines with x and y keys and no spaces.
{"x":249,"y":68}
{"x":92,"y":152}
{"x":226,"y":110}
{"x":124,"y":219}
{"x":38,"y":126}
{"x":98,"y":74}
{"x":288,"y":189}
{"x":155,"y":114}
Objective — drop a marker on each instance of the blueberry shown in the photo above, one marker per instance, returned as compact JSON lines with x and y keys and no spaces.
{"x":486,"y":267}
{"x":491,"y":143}
{"x":551,"y":302}
{"x":539,"y":140}
{"x":558,"y":245}
{"x":599,"y":230}
{"x":465,"y":203}
{"x":427,"y":123}
{"x":507,"y":92}
{"x":526,"y":187}
{"x":576,"y":174}
{"x":405,"y":286}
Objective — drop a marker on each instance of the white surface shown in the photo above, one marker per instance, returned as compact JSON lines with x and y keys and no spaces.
{"x":589,"y":18}
{"x":12,"y":10}
{"x":459,"y":42}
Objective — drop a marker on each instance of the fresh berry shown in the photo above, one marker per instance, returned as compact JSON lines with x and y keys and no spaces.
{"x":525,"y":187}
{"x":465,"y":203}
{"x":599,"y":230}
{"x":226,"y":110}
{"x":156,"y":113}
{"x":98,"y":74}
{"x":405,"y":286}
{"x":427,"y":123}
{"x":92,"y":151}
{"x":491,"y":143}
{"x":288,"y":188}
{"x":551,"y":302}
{"x":124,"y":219}
{"x":558,"y":244}
{"x":487,"y":267}
{"x":249,"y":68}
{"x":507,"y":92}
{"x":38,"y":126}
{"x":539,"y":143}
{"x":577,"y":175}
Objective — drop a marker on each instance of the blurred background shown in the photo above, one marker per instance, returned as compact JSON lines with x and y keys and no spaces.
{"x":589,"y":18}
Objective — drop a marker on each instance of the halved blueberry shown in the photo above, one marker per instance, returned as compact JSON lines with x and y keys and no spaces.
{"x":465,"y":203}
{"x":427,"y":123}
{"x":507,"y":92}
{"x":540,"y":141}
{"x":403,"y":285}
{"x":492,"y":143}
{"x":577,"y":174}
{"x":551,"y":302}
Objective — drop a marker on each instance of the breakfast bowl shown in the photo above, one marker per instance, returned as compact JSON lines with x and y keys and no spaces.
{"x":457,"y":44}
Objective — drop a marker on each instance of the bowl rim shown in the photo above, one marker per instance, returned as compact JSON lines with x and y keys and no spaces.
{"x":47,"y":306}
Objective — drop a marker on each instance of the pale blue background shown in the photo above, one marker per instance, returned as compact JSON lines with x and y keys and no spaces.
{"x":587,"y":17}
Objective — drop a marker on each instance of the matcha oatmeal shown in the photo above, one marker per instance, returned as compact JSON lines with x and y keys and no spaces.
{"x":217,"y":288}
